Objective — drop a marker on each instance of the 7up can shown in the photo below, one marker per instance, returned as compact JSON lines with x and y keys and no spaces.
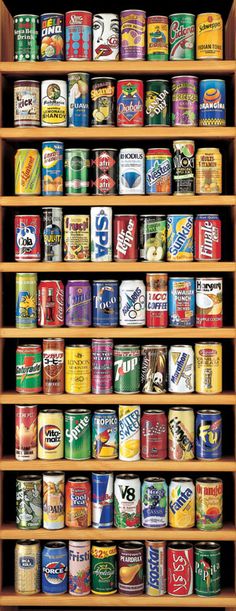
{"x":78,"y":434}
{"x":126,"y":368}
{"x":127,"y":501}
{"x":207,"y":568}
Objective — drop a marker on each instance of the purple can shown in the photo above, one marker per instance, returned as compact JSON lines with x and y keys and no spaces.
{"x":185,"y":100}
{"x":133,"y":29}
{"x":102,"y":366}
{"x":78,"y":303}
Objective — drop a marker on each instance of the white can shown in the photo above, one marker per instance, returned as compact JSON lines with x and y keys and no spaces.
{"x":54,"y":103}
{"x":132,"y":171}
{"x":127,"y":501}
{"x":181,"y":369}
{"x":105,"y":37}
{"x":209,"y":302}
{"x":132,"y":303}
{"x":101,"y":234}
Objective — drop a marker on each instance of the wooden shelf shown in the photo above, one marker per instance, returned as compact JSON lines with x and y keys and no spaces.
{"x":115,"y":133}
{"x":117,"y":332}
{"x":122,"y":266}
{"x":118,"y":200}
{"x":225,"y":398}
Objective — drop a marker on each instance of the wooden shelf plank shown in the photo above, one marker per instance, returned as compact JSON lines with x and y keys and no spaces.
{"x":117,"y":332}
{"x":225,"y":398}
{"x":123,"y":266}
{"x":118,"y":200}
{"x":115,"y":133}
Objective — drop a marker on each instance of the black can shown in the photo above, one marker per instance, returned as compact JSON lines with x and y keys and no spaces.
{"x":103,"y":101}
{"x":183,"y":167}
{"x":104,"y":171}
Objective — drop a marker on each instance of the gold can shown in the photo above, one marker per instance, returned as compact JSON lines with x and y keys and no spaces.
{"x":208,"y":367}
{"x":27,"y":566}
{"x":78,"y":369}
{"x":53,"y":500}
{"x":76,"y":237}
{"x":209,"y":36}
{"x":181,"y":433}
{"x":27,"y":172}
{"x":50,"y":434}
{"x":208,"y":171}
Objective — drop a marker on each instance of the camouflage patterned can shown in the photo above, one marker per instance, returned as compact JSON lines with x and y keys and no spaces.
{"x":29,"y":501}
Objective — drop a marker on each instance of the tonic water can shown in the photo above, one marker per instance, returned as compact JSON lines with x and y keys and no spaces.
{"x":209,"y":36}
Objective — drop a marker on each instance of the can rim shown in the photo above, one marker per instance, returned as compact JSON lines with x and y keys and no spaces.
{"x":77,"y":411}
{"x":159,"y":80}
{"x":69,"y":150}
{"x":209,"y":13}
{"x":181,"y":408}
{"x":188,"y":76}
{"x":26,"y":81}
{"x":206,"y":80}
{"x":209,"y":411}
{"x":131,"y":79}
{"x":104,"y":149}
{"x":181,"y":479}
{"x":95,"y":78}
{"x":77,"y":11}
{"x":52,"y":14}
{"x":72,"y":73}
{"x":180,"y":545}
{"x":191,"y":14}
{"x":136,"y":10}
{"x":209,"y":479}
{"x":26,"y":15}
{"x":207,"y":545}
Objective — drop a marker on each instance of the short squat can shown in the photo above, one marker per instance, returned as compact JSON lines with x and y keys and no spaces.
{"x":130,"y":568}
{"x":26,"y":38}
{"x":27,"y":567}
{"x":212,"y":104}
{"x":209,"y":503}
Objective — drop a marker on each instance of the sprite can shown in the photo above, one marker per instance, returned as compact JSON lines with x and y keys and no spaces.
{"x":26,"y":38}
{"x":77,"y":171}
{"x":78,"y":434}
{"x":207,"y":568}
{"x":126,"y":368}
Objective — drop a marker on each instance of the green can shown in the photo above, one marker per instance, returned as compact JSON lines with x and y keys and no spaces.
{"x":126,"y":368}
{"x":78,"y":434}
{"x":182,"y":36}
{"x":207,"y":568}
{"x":26,"y":38}
{"x":29,"y":368}
{"x":26,"y":300}
{"x":29,"y":501}
{"x":157,"y":102}
{"x":77,"y":166}
{"x":104,"y":567}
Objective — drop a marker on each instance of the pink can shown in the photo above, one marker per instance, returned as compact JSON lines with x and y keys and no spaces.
{"x":78,"y":35}
{"x":102,"y":366}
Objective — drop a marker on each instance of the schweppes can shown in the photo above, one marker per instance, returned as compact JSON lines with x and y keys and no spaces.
{"x":27,"y":172}
{"x":78,"y":369}
{"x":209,"y":36}
{"x":208,"y":367}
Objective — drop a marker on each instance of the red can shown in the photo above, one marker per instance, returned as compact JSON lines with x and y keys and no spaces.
{"x":50,"y":303}
{"x":154,"y":435}
{"x":207,"y":237}
{"x":26,"y":432}
{"x":130,"y":104}
{"x":78,"y":35}
{"x":53,"y":366}
{"x":180,"y":569}
{"x":157,"y":300}
{"x":78,"y":502}
{"x":125,"y":237}
{"x":27,"y":237}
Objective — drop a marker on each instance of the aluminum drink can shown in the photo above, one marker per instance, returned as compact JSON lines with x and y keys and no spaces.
{"x":181,"y":503}
{"x":154,"y":434}
{"x":208,"y":171}
{"x":158,"y":172}
{"x":25,"y":432}
{"x":26,"y":103}
{"x":181,"y":301}
{"x":126,"y":368}
{"x":129,"y":432}
{"x":127,"y":501}
{"x":27,"y":237}
{"x":181,"y":369}
{"x":78,"y":35}
{"x":102,"y":500}
{"x":27,"y":172}
{"x":182,"y":36}
{"x":131,"y":171}
{"x":130,"y":103}
{"x":27,"y":567}
{"x":152,"y":237}
{"x":157,"y":38}
{"x":102,"y":366}
{"x":154,"y":502}
{"x":53,"y":366}
{"x":53,"y":500}
{"x":157,"y":102}
{"x":212,"y":109}
{"x":104,"y":167}
{"x":209,"y":302}
{"x":183,"y":167}
{"x":130,"y":568}
{"x":105,"y":434}
{"x":78,"y":434}
{"x":29,"y":368}
{"x":78,"y":502}
{"x":52,"y":167}
{"x":52,"y":37}
{"x":133,"y":29}
{"x":105,"y":37}
{"x":125,"y":237}
{"x":132,"y":303}
{"x":54,"y":103}
{"x":208,"y":367}
{"x":180,"y":568}
{"x":76,"y":237}
{"x":105,"y":303}
{"x":77,"y":169}
{"x":78,"y":303}
{"x":104,"y":567}
{"x":54,"y":568}
{"x":209,"y":36}
{"x":101,"y":233}
{"x":207,"y":568}
{"x":209,"y":503}
{"x":155,"y":568}
{"x":79,"y":568}
{"x":179,"y":237}
{"x":185,"y":100}
{"x":78,"y":369}
{"x":208,"y":434}
{"x":153,"y":369}
{"x":50,"y":434}
{"x":78,"y":99}
{"x":28,"y":501}
{"x":26,"y":35}
{"x":156,"y":300}
{"x":181,"y":433}
{"x":207,"y":237}
{"x":52,"y":234}
{"x":26,"y":300}
{"x":103,"y":103}
{"x":50,"y":303}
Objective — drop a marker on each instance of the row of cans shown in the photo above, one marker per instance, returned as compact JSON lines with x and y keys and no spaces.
{"x":177,"y":302}
{"x":105,"y":36}
{"x":103,"y":101}
{"x":125,"y":368}
{"x":123,"y":502}
{"x":126,"y":434}
{"x":100,"y":236}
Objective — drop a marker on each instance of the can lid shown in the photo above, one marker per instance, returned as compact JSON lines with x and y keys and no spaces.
{"x":130,"y":545}
{"x":105,"y":280}
{"x":133,"y":10}
{"x":28,"y":542}
{"x":159,"y":80}
{"x":26,"y":81}
{"x":77,"y":346}
{"x":55,"y":544}
{"x":180,"y":545}
{"x":105,"y":150}
{"x":185,"y":76}
{"x":154,"y":346}
{"x":84,"y":281}
{"x":103,"y":78}
{"x":52,"y":15}
{"x":77,"y":73}
{"x":209,"y":411}
{"x":105,"y":411}
{"x":127,"y":80}
{"x":75,"y":11}
{"x":209,"y":14}
{"x":181,"y":409}
{"x":76,"y":150}
{"x":26,"y":15}
{"x":203,"y":545}
{"x":164,"y":151}
{"x":77,"y":411}
{"x":207,"y":216}
{"x":183,"y":14}
{"x":154,"y":215}
{"x":78,"y":478}
{"x":206,"y":150}
{"x":210,"y":480}
{"x":212,"y":80}
{"x":181,"y":479}
{"x":53,"y":142}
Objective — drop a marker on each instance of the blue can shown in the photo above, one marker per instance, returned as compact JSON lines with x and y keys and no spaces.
{"x":102,"y":500}
{"x":181,"y":302}
{"x":208,"y":434}
{"x":54,"y":568}
{"x":105,"y":434}
{"x":52,"y":167}
{"x":105,"y":303}
{"x":78,"y":99}
{"x":179,"y":237}
{"x":212,"y":109}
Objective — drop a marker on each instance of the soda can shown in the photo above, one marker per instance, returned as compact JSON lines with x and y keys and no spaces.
{"x":127,"y":501}
{"x":152,"y":237}
{"x":182,"y":36}
{"x":52,"y":37}
{"x":130,"y":103}
{"x":102,"y":366}
{"x":180,"y":568}
{"x":131,"y":171}
{"x":78,"y":35}
{"x":153,"y":369}
{"x":209,"y":36}
{"x":129,"y":432}
{"x":52,"y":167}
{"x":78,"y":434}
{"x":53,"y":366}
{"x":157,"y":38}
{"x":157,"y":103}
{"x":104,"y":567}
{"x":208,"y":434}
{"x":29,"y":501}
{"x":185,"y":100}
{"x":54,"y":103}
{"x":181,"y":433}
{"x":208,"y":367}
{"x":79,"y":568}
{"x":208,"y":171}
{"x":26,"y":103}
{"x":105,"y":37}
{"x":25,"y":432}
{"x":50,"y":303}
{"x":133,"y":29}
{"x":105,"y":434}
{"x":103,"y":106}
{"x":78,"y":303}
{"x":207,"y":568}
{"x":132,"y":303}
{"x":101,"y":233}
{"x":105,"y":303}
{"x":155,"y":568}
{"x":209,"y":503}
{"x":53,"y":500}
{"x":154,"y":435}
{"x":207,"y":237}
{"x":126,"y":368}
{"x":179,"y":237}
{"x":156,"y":300}
{"x":50,"y":434}
{"x":181,"y":301}
{"x":26,"y":300}
{"x":209,"y":302}
{"x":77,"y":169}
{"x":181,"y":503}
{"x":183,"y":167}
{"x":125,"y":237}
{"x":181,"y":369}
{"x":104,"y":171}
{"x":154,"y":502}
{"x":130,"y":568}
{"x":27,"y":567}
{"x":27,"y":237}
{"x":52,"y":234}
{"x":158,"y":172}
{"x":26,"y":38}
{"x":54,"y":568}
{"x":27,"y":172}
{"x":78,"y":502}
{"x":29,"y":368}
{"x":102,"y":500}
{"x":78,"y":369}
{"x":76,"y":237}
{"x":212,"y":109}
{"x":78,"y":99}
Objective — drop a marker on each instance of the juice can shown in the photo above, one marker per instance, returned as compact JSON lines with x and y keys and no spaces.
{"x":78,"y":502}
{"x":181,"y":369}
{"x":179,"y":237}
{"x":181,"y":301}
{"x":207,"y":237}
{"x":102,"y":96}
{"x":50,"y":303}
{"x":27,"y":567}
{"x":209,"y":503}
{"x":131,"y":568}
{"x":185,"y":100}
{"x":182,"y":36}
{"x":76,"y":237}
{"x":129,"y":432}
{"x":158,"y":171}
{"x":52,"y":167}
{"x":29,"y":501}
{"x":102,"y":500}
{"x":50,"y":434}
{"x":126,"y":368}
{"x":130,"y":103}
{"x":183,"y":167}
{"x":212,"y":108}
{"x":208,"y":367}
{"x":105,"y":37}
{"x":53,"y":500}
{"x":53,"y":366}
{"x":154,"y":368}
{"x":127,"y":501}
{"x":104,"y":567}
{"x":104,"y":167}
{"x":152,"y":237}
{"x":27,"y":172}
{"x":26,"y":103}
{"x":157,"y":102}
{"x":29,"y":368}
{"x":209,"y":36}
{"x":181,"y":503}
{"x":133,"y":28}
{"x":132,"y":303}
{"x":54,"y":568}
{"x":27,"y":237}
{"x":79,"y":568}
{"x":207,"y":568}
{"x":26,"y":38}
{"x":25,"y":432}
{"x":154,"y":502}
{"x":52,"y":37}
{"x":52,"y":234}
{"x":102,"y":366}
{"x":78,"y":35}
{"x":78,"y":369}
{"x":131,"y":171}
{"x":154,"y":435}
{"x":26,"y":300}
{"x":54,"y":103}
{"x":157,"y":37}
{"x":78,"y":303}
{"x":105,"y":303}
{"x":78,"y":434}
{"x":208,"y":171}
{"x":155,"y":568}
{"x":78,"y":98}
{"x":181,"y":433}
{"x":180,"y":568}
{"x":157,"y":302}
{"x":208,"y":433}
{"x":105,"y":434}
{"x":77,"y":168}
{"x":101,"y":233}
{"x":209,"y":302}
{"x":125,"y":237}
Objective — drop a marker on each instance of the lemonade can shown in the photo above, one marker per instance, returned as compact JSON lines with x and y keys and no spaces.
{"x":129,"y":432}
{"x":181,"y":503}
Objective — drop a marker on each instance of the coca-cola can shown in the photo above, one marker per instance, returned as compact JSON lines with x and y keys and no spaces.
{"x":102,"y":366}
{"x":51,"y":303}
{"x":207,"y":237}
{"x":154,"y":434}
{"x":180,"y":568}
{"x":125,"y":237}
{"x":157,"y":300}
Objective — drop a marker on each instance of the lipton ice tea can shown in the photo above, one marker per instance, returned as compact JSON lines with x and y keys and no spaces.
{"x":208,"y":367}
{"x":209,"y":36}
{"x":27,"y":172}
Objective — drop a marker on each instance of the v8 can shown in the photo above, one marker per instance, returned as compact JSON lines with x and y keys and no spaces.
{"x":181,"y":303}
{"x":132,"y":303}
{"x":102,"y":366}
{"x":207,"y":568}
{"x":208,"y":434}
{"x":182,"y":36}
{"x":127,"y":505}
{"x":209,"y":503}
{"x":54,"y":568}
{"x":101,"y":233}
{"x":126,"y":368}
{"x":27,"y":566}
{"x":130,"y":568}
{"x":102,"y":500}
{"x":78,"y":502}
{"x":105,"y":434}
{"x":129,"y":432}
{"x":52,"y":168}
{"x":29,"y":501}
{"x":154,"y":435}
{"x":153,"y":370}
{"x":154,"y":502}
{"x":52,"y":37}
{"x":181,"y":433}
{"x":155,"y":568}
{"x":104,"y":567}
{"x":130,"y":106}
{"x":78,"y":434}
{"x":158,"y":171}
{"x":181,"y":503}
{"x":181,"y":369}
{"x":180,"y":568}
{"x":208,"y":367}
{"x":179,"y":237}
{"x":26,"y":44}
{"x":105,"y":303}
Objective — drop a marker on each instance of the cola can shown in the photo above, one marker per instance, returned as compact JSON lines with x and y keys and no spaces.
{"x":154,"y":435}
{"x":50,"y":303}
{"x":53,"y":366}
{"x":125,"y":237}
{"x":157,"y":300}
{"x":102,"y":366}
{"x":180,"y":568}
{"x":207,"y":237}
{"x":104,"y":171}
{"x":153,"y":368}
{"x":27,"y":237}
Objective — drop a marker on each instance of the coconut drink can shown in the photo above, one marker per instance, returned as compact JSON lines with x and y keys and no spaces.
{"x":185,"y":100}
{"x":157,"y":102}
{"x":133,"y":26}
{"x":157,"y":37}
{"x":182,"y":36}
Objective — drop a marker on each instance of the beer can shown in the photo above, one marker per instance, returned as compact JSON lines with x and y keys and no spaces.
{"x":78,"y":98}
{"x":101,"y":233}
{"x":26,"y":38}
{"x":207,"y":237}
{"x":156,"y":300}
{"x":180,"y":568}
{"x":154,"y":368}
{"x":131,"y":171}
{"x":183,"y":167}
{"x":127,"y":501}
{"x":208,"y":367}
{"x":155,"y":568}
{"x":125,"y":237}
{"x":181,"y":503}
{"x":50,"y":303}
{"x":181,"y":369}
{"x":179,"y":237}
{"x":78,"y":303}
{"x":26,"y":300}
{"x":105,"y":303}
{"x":53,"y":500}
{"x":78,"y":434}
{"x":25,"y":432}
{"x":130,"y":103}
{"x":181,"y":301}
{"x":29,"y":501}
{"x":54,"y":103}
{"x":53,"y":366}
{"x":105,"y":37}
{"x":209,"y":503}
{"x":103,"y":107}
{"x":126,"y":368}
{"x":105,"y":434}
{"x":212,"y":109}
{"x":104,"y":168}
{"x":78,"y":502}
{"x":133,"y":30}
{"x":77,"y":170}
{"x":157,"y":37}
{"x":182,"y":36}
{"x":104,"y":567}
{"x":27,"y":172}
{"x":52,"y":37}
{"x":132,"y":303}
{"x":130,"y":568}
{"x":76,"y":237}
{"x":78,"y":35}
{"x":26,"y":103}
{"x":102,"y":366}
{"x":52,"y":234}
{"x":52,"y":168}
{"x":209,"y":302}
{"x":185,"y":100}
{"x":209,"y":36}
{"x":50,"y":434}
{"x":154,"y":502}
{"x":157,"y":103}
{"x":154,"y":434}
{"x":29,"y":368}
{"x":181,"y":433}
{"x":27,"y":567}
{"x":27,"y":237}
{"x":129,"y":432}
{"x":54,"y":568}
{"x":102,"y":500}
{"x":79,"y":568}
{"x":207,"y":568}
{"x":78,"y":369}
{"x":208,"y":171}
{"x":152,"y":237}
{"x":158,"y":171}
{"x":208,"y":434}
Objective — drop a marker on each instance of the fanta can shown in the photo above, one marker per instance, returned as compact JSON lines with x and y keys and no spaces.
{"x":179,"y":237}
{"x":181,"y":503}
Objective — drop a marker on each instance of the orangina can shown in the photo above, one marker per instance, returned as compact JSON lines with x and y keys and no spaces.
{"x":78,"y":369}
{"x":209,"y":36}
{"x":208,"y":367}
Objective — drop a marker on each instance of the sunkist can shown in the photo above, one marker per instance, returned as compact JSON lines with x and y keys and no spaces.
{"x":156,"y":300}
{"x":181,"y":433}
{"x":29,"y":368}
{"x":52,"y":37}
{"x":77,"y":171}
{"x":209,"y":36}
{"x":53,"y":500}
{"x":25,"y":432}
{"x":180,"y":568}
{"x":102,"y":95}
{"x":54,"y":568}
{"x":78,"y":35}
{"x":181,"y":503}
{"x":27,"y":563}
{"x":27,"y":172}
{"x":185,"y":100}
{"x":78,"y":502}
{"x":127,"y":501}
{"x":126,"y":368}
{"x":50,"y":434}
{"x":78,"y":434}
{"x":155,"y":568}
{"x":157,"y":37}
{"x":79,"y":567}
{"x":209,"y":503}
{"x":207,"y":568}
{"x":152,"y":237}
{"x":182,"y":36}
{"x":208,"y":434}
{"x":129,"y":432}
{"x":105,"y":434}
{"x":29,"y":501}
{"x":27,"y":237}
{"x":157,"y":102}
{"x":105,"y":36}
{"x":78,"y":369}
{"x":102,"y":500}
{"x":154,"y":434}
{"x":179,"y":237}
{"x":78,"y":99}
{"x":26,"y":103}
{"x":54,"y":103}
{"x":208,"y":367}
{"x":26,"y":300}
{"x":158,"y":171}
{"x":130,"y":568}
{"x":102,"y":366}
{"x":104,"y":567}
{"x":130,"y":103}
{"x":26,"y":34}
{"x":133,"y":28}
{"x":52,"y":167}
{"x":76,"y":237}
{"x":78,"y":302}
{"x":212,"y":104}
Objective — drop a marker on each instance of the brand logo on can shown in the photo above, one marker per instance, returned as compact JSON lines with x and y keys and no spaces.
{"x":153,"y":558}
{"x":50,"y":437}
{"x":182,"y":497}
{"x":124,"y":367}
{"x":26,"y":236}
{"x":55,"y":572}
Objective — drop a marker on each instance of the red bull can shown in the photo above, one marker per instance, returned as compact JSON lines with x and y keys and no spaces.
{"x":102,"y":500}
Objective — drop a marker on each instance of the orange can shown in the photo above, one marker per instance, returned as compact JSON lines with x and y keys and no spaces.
{"x":78,"y":502}
{"x":209,"y":36}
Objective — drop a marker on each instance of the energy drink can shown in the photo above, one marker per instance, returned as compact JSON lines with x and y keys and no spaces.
{"x":154,"y":502}
{"x":27,"y":567}
{"x":53,"y":366}
{"x":26,"y":103}
{"x":76,"y":237}
{"x":130,"y":103}
{"x":180,"y":568}
{"x":183,"y":166}
{"x":105,"y":37}
{"x":78,"y":434}
{"x":78,"y":99}
{"x":154,"y":369}
{"x":101,"y":233}
{"x":104,"y":567}
{"x":158,"y":172}
{"x":105,"y":434}
{"x":50,"y":303}
{"x":181,"y":433}
{"x":179,"y":237}
{"x":25,"y":432}
{"x":53,"y":500}
{"x":27,"y":172}
{"x":52,"y":234}
{"x":126,"y":368}
{"x":155,"y":568}
{"x":156,"y":300}
{"x":125,"y":237}
{"x":103,"y":105}
{"x":181,"y":301}
{"x":26,"y":300}
{"x":26,"y":35}
{"x":50,"y":434}
{"x":52,"y":37}
{"x":78,"y":35}
{"x":78,"y":303}
{"x":208,"y":367}
{"x":104,"y":171}
{"x":212,"y":109}
{"x":28,"y":501}
{"x":209,"y":302}
{"x":78,"y":369}
{"x":208,"y":434}
{"x":27,"y":237}
{"x":77,"y":167}
{"x":127,"y":505}
{"x":29,"y":368}
{"x":209,"y":503}
{"x":208,"y":171}
{"x":207,"y":568}
{"x":154,"y":434}
{"x":133,"y":28}
{"x":131,"y":171}
{"x":78,"y":502}
{"x":102,"y":366}
{"x":209,"y":36}
{"x":185,"y":100}
{"x":54,"y":103}
{"x":130,"y":568}
{"x":157,"y":102}
{"x":152,"y":237}
{"x":157,"y":38}
{"x":181,"y":369}
{"x":79,"y":568}
{"x":129,"y":432}
{"x":54,"y":568}
{"x":181,"y":503}
{"x":105,"y":303}
{"x":102,"y":500}
{"x":207,"y":242}
{"x":182,"y":36}
{"x":52,"y":168}
{"x":132,"y":303}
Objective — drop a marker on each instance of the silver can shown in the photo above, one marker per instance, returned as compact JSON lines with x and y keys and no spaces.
{"x":54,"y":103}
{"x":132,"y":171}
{"x":181,"y":369}
{"x":132,"y":303}
{"x":105,"y":37}
{"x":52,"y":234}
{"x":101,"y":234}
{"x":26,"y":103}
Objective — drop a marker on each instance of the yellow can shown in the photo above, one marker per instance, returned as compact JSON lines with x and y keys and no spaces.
{"x":27,"y":567}
{"x":181,"y":503}
{"x":53,"y":500}
{"x":129,"y":432}
{"x":181,"y":433}
{"x":50,"y":434}
{"x":209,"y":36}
{"x":208,"y":367}
{"x":76,"y":237}
{"x":78,"y":369}
{"x":208,"y":171}
{"x":27,"y":172}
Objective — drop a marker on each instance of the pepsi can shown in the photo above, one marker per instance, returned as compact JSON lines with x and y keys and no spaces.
{"x":102,"y":500}
{"x":208,"y":434}
{"x":132,"y":171}
{"x":105,"y":303}
{"x":212,"y":108}
{"x":54,"y":568}
{"x":101,"y":234}
{"x":181,"y":298}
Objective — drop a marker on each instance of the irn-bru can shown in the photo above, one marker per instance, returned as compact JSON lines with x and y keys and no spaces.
{"x":79,"y":568}
{"x":27,"y":566}
{"x":181,"y":433}
{"x":207,"y":568}
{"x":129,"y":432}
{"x":105,"y":434}
{"x":181,"y":306}
{"x":180,"y":568}
{"x":104,"y":567}
{"x":157,"y":37}
{"x":52,"y":168}
{"x":102,"y":500}
{"x":78,"y":369}
{"x":53,"y":500}
{"x":54,"y":568}
{"x":155,"y":568}
{"x":181,"y":503}
{"x":208,"y":434}
{"x":179,"y":237}
{"x":208,"y":367}
{"x":52,"y":37}
{"x":130,"y":568}
{"x":154,"y":502}
{"x":209,"y":503}
{"x":27,"y":172}
{"x":209,"y":36}
{"x":78,"y":502}
{"x":158,"y":171}
{"x":154,"y":434}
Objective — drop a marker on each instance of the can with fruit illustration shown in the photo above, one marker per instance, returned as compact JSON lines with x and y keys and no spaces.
{"x":179,"y":237}
{"x":181,"y":433}
{"x":152,"y":237}
{"x":103,"y":101}
{"x":182,"y":36}
{"x":158,"y":171}
{"x":129,"y":432}
{"x":52,"y":167}
{"x":185,"y":100}
{"x":130,"y":568}
{"x":208,"y":171}
{"x":27,"y":172}
{"x":105,"y":434}
{"x":181,"y":503}
{"x":52,"y":37}
{"x":104,"y":567}
{"x":54,"y":103}
{"x":133,"y":27}
{"x":79,"y":568}
{"x":78,"y":99}
{"x":154,"y":502}
{"x":209,"y":503}
{"x":127,"y":501}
